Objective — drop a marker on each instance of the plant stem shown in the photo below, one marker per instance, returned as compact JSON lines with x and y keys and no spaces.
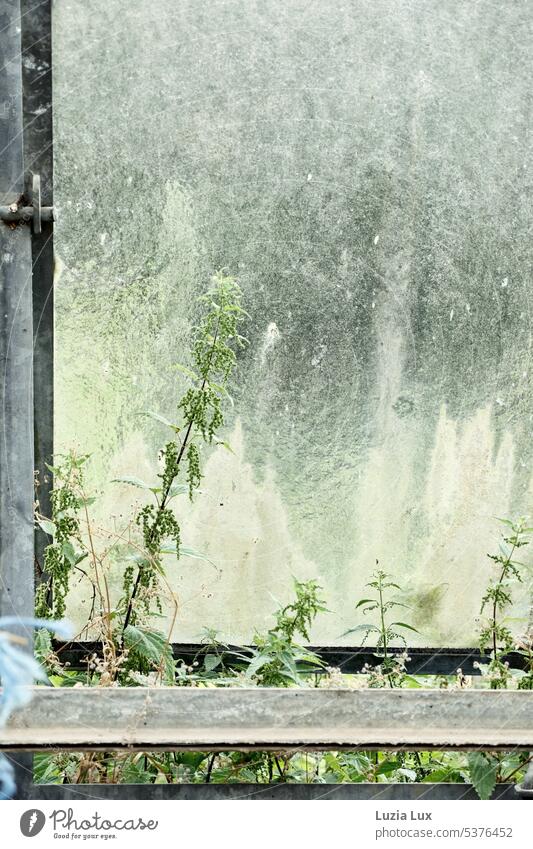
{"x":384,"y":630}
{"x":210,"y":765}
{"x":168,"y":487}
{"x":495,"y":602}
{"x":518,"y":768}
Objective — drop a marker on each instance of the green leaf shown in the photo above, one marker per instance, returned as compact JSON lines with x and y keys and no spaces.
{"x":404,"y":625}
{"x":46,"y":770}
{"x":411,"y":682}
{"x":365,"y":601}
{"x":132,"y":481}
{"x":483,"y":772}
{"x":69,"y":552}
{"x":410,"y":774}
{"x":153,"y":647}
{"x":446,"y":774}
{"x":225,"y":445}
{"x":178,"y":489}
{"x":191,"y":759}
{"x":43,"y":644}
{"x":143,"y":561}
{"x":256,"y":664}
{"x":361,"y":628}
{"x":47,"y":526}
{"x":388,"y":766}
{"x":159,"y":418}
{"x":211,"y":661}
{"x":505,"y":549}
{"x":187,"y":372}
{"x":185,"y":551}
{"x":222,"y":390}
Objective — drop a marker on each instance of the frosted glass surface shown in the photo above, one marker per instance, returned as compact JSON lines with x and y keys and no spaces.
{"x":361,"y":167}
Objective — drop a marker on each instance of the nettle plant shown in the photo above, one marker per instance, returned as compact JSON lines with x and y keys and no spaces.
{"x":128,"y":640}
{"x":391,"y":669}
{"x":496,"y":604}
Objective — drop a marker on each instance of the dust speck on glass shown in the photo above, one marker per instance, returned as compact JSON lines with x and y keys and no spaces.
{"x":361,"y":168}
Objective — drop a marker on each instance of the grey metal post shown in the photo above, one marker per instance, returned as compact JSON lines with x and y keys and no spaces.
{"x":16,"y":350}
{"x":16,"y":342}
{"x":36,"y":37}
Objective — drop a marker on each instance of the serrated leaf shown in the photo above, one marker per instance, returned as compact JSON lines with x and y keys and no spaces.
{"x":211,"y":661}
{"x":47,"y":526}
{"x":153,"y":647}
{"x":483,"y":772}
{"x":132,"y":481}
{"x":43,"y":644}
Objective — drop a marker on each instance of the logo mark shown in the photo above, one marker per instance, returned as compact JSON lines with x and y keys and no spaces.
{"x":32,"y":822}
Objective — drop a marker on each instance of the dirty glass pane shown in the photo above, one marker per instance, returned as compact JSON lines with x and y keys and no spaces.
{"x":361,"y":168}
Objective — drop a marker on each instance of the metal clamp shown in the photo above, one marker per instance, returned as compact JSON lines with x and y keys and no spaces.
{"x":21,"y":210}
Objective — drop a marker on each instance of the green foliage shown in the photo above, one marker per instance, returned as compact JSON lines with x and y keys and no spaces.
{"x":148,"y":650}
{"x":66,"y":550}
{"x":298,"y":616}
{"x":483,"y":770}
{"x":391,"y":671}
{"x":524,"y":647}
{"x":495,"y":634}
{"x":278,"y":661}
{"x":154,"y":530}
{"x":134,"y":652}
{"x":213,"y":359}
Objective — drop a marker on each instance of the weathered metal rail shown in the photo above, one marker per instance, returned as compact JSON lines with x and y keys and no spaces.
{"x":210,"y":718}
{"x":349,"y":659}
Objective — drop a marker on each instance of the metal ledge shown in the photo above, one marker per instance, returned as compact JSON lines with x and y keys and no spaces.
{"x":261,"y":718}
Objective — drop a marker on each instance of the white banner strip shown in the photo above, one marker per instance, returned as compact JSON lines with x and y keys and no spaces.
{"x":198,"y":824}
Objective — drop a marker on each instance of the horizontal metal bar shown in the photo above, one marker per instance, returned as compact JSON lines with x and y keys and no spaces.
{"x":422,"y":661}
{"x":263,"y":718}
{"x":25,"y":213}
{"x":262,"y":792}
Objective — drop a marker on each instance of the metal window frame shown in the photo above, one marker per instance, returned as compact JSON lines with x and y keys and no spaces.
{"x":27,"y":390}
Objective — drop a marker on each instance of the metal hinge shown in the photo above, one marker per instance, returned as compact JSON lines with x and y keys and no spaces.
{"x":29,"y":208}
